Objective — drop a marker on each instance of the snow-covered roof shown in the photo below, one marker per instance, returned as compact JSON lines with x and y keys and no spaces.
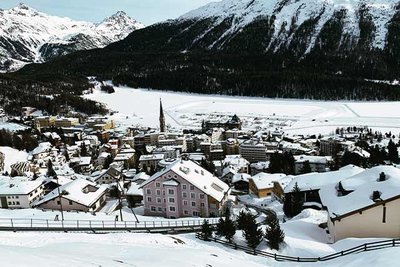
{"x":241,"y":177}
{"x":17,"y":185}
{"x":134,"y":190}
{"x":264,"y":180}
{"x":197,"y":176}
{"x":151,"y":157}
{"x":84,"y":161}
{"x":41,"y":148}
{"x":362,"y":186}
{"x":313,"y":181}
{"x":236,"y":160}
{"x":312,"y":159}
{"x":74,"y":191}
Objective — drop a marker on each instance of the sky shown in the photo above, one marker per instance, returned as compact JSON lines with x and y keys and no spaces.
{"x":145,"y":11}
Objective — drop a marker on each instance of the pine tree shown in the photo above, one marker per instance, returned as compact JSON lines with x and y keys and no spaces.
{"x":50,"y":170}
{"x":293,"y":204}
{"x":243,"y":220}
{"x":306,"y":168}
{"x":220,"y":227}
{"x":253,"y":234}
{"x":84,"y":151}
{"x":274,"y":233}
{"x":229,"y":229}
{"x":206,"y":230}
{"x":393,"y":153}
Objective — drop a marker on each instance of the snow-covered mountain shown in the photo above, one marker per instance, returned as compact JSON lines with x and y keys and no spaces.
{"x":276,"y":25}
{"x":27,"y":35}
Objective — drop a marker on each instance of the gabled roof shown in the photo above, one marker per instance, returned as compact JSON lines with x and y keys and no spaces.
{"x":314,"y":181}
{"x":197,"y":176}
{"x":266,"y":180}
{"x":74,"y":191}
{"x":361,"y":187}
{"x":17,"y":185}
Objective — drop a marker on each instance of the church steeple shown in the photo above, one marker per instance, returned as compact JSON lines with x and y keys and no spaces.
{"x":162,"y":118}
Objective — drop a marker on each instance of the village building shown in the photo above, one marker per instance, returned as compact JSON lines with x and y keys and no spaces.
{"x":262,"y":184}
{"x":184,"y":189}
{"x":79,"y":195}
{"x":19,"y":193}
{"x":365,"y":205}
{"x":316,"y":163}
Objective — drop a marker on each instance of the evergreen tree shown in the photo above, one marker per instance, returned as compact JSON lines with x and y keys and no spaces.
{"x":306,"y":168}
{"x":50,"y":170}
{"x":253,"y":234}
{"x":206,"y":230}
{"x":243,"y":220}
{"x":220,"y":227}
{"x":107,"y":162}
{"x":393,"y":153}
{"x":229,"y":229}
{"x":84,"y":152}
{"x":293,"y":204}
{"x":274,"y":233}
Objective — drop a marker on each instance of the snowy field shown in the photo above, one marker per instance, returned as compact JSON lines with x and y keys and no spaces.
{"x":303,"y":238}
{"x":141,"y":107}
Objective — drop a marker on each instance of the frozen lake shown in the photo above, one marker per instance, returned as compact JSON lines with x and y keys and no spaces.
{"x":141,"y":107}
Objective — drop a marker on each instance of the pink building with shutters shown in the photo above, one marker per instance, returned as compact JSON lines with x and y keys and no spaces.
{"x":184,"y":189}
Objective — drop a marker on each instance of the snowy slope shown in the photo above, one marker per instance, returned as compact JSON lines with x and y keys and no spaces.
{"x":27,"y":35}
{"x":288,"y":15}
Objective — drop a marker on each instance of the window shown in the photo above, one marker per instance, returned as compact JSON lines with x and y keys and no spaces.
{"x":184,"y":194}
{"x":171,"y":208}
{"x":148,"y":191}
{"x":171,"y":200}
{"x":171,"y":191}
{"x":184,"y":187}
{"x":158,"y":184}
{"x":202,"y":204}
{"x":185,"y":203}
{"x":193,"y":204}
{"x":158,"y":192}
{"x":9,"y":203}
{"x":159,"y":209}
{"x":58,"y":202}
{"x":195,"y":213}
{"x":149,"y":199}
{"x":191,"y":187}
{"x":201,"y":196}
{"x":17,"y":202}
{"x":70,"y":202}
{"x":192,"y":195}
{"x":153,"y":208}
{"x":158,"y":200}
{"x":185,"y":212}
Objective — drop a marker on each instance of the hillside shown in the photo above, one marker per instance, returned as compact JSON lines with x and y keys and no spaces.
{"x":30,"y":36}
{"x":325,"y":49}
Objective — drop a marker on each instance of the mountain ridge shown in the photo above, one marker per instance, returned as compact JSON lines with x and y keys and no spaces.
{"x":27,"y":35}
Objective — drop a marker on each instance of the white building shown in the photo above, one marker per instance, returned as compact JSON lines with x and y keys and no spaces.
{"x":19,"y":193}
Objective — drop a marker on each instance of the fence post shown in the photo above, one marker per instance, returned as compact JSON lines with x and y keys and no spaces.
{"x":298,"y":259}
{"x":365,"y":247}
{"x":235,"y":246}
{"x":31,"y":223}
{"x":135,"y":224}
{"x":393,"y":242}
{"x":341,"y":252}
{"x":154,"y":224}
{"x":145,"y":224}
{"x":125,"y":224}
{"x":77,"y":224}
{"x":12,"y":224}
{"x":90,"y":224}
{"x":103,"y":224}
{"x":275,"y":256}
{"x":47,"y":223}
{"x":254,"y":251}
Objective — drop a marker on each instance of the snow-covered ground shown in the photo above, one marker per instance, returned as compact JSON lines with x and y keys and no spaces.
{"x":12,"y":156}
{"x":303,"y":238}
{"x":141,"y":107}
{"x":12,"y":127}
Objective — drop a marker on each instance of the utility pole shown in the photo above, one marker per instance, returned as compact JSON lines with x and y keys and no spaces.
{"x":59,"y":197}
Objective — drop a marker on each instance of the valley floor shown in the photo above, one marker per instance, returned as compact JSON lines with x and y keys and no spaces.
{"x":140,"y":107}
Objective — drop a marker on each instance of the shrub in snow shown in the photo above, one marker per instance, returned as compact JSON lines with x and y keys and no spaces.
{"x":206,"y":230}
{"x":274,"y":233}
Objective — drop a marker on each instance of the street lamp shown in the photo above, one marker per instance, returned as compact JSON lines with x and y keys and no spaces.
{"x":59,"y":197}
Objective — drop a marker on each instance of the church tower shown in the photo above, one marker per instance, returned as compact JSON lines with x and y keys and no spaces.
{"x":162,"y":118}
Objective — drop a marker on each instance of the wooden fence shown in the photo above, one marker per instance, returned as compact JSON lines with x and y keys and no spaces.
{"x":361,"y":248}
